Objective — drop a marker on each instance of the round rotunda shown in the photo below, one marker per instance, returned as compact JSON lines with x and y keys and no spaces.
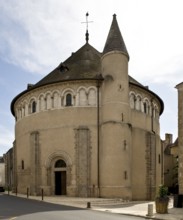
{"x":88,"y":128}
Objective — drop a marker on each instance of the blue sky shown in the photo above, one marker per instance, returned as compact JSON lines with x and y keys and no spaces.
{"x":36,"y":35}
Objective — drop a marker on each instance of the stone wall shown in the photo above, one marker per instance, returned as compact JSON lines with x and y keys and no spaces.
{"x":180,"y":135}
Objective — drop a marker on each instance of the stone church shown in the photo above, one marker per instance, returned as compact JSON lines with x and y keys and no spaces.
{"x":89,"y":129}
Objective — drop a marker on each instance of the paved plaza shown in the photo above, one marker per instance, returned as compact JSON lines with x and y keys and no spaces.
{"x":117,"y":206}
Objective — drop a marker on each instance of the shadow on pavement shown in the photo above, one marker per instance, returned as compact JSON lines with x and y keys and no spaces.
{"x":11,"y":206}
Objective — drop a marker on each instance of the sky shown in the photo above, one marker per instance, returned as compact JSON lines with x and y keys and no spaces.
{"x":37,"y":35}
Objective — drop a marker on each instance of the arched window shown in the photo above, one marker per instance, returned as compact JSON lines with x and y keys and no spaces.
{"x":68,"y":99}
{"x":22,"y":164}
{"x":60,"y":163}
{"x":33,"y":106}
{"x":145,"y":107}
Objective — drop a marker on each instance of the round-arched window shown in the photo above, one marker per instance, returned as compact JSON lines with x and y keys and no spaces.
{"x":33,"y":106}
{"x":68,"y":99}
{"x":60,"y":164}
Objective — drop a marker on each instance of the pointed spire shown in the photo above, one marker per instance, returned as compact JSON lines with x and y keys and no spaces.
{"x":115,"y":40}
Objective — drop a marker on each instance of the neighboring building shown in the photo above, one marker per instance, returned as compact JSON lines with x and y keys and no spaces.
{"x":174,"y":152}
{"x":9,"y":168}
{"x":179,"y":88}
{"x":89,"y":129}
{"x":2,"y":174}
{"x":170,"y":164}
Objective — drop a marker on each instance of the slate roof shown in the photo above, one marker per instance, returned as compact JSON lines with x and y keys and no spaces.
{"x":134,"y":81}
{"x":83,"y":64}
{"x":115,"y":40}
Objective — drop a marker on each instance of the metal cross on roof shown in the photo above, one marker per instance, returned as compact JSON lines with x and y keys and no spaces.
{"x":86,"y":22}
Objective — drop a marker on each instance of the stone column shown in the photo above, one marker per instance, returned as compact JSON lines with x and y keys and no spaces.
{"x":83,"y":155}
{"x":35,"y":163}
{"x":150,"y":165}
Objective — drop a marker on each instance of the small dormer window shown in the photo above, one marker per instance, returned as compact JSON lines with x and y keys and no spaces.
{"x":63,"y":68}
{"x":69,"y":100}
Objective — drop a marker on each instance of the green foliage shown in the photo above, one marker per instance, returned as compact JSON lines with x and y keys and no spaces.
{"x":162,"y":191}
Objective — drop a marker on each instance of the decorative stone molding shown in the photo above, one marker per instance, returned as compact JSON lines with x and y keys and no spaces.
{"x":55,"y":99}
{"x":59,"y":154}
{"x":143,"y":104}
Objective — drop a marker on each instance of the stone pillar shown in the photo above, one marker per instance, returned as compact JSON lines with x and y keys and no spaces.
{"x":83,"y":155}
{"x":35,"y":163}
{"x":150,"y":165}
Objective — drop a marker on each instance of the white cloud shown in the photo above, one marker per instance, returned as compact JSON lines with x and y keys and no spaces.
{"x":38,"y":34}
{"x":164,"y":72}
{"x":33,"y":37}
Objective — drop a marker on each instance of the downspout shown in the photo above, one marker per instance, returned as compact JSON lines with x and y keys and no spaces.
{"x":99,"y":79}
{"x":154,"y":135}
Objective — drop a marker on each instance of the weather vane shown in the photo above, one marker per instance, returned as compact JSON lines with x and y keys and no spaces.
{"x":86,"y":22}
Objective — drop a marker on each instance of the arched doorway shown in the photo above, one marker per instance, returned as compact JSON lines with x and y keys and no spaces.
{"x":60,"y":177}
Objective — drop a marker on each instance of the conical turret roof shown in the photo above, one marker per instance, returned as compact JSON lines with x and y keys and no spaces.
{"x":115,"y":40}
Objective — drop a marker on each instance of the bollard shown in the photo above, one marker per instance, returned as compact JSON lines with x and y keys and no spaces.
{"x":16,"y":191}
{"x":42,"y":194}
{"x":8,"y":190}
{"x":150,"y":210}
{"x":88,"y":205}
{"x":27,"y":192}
